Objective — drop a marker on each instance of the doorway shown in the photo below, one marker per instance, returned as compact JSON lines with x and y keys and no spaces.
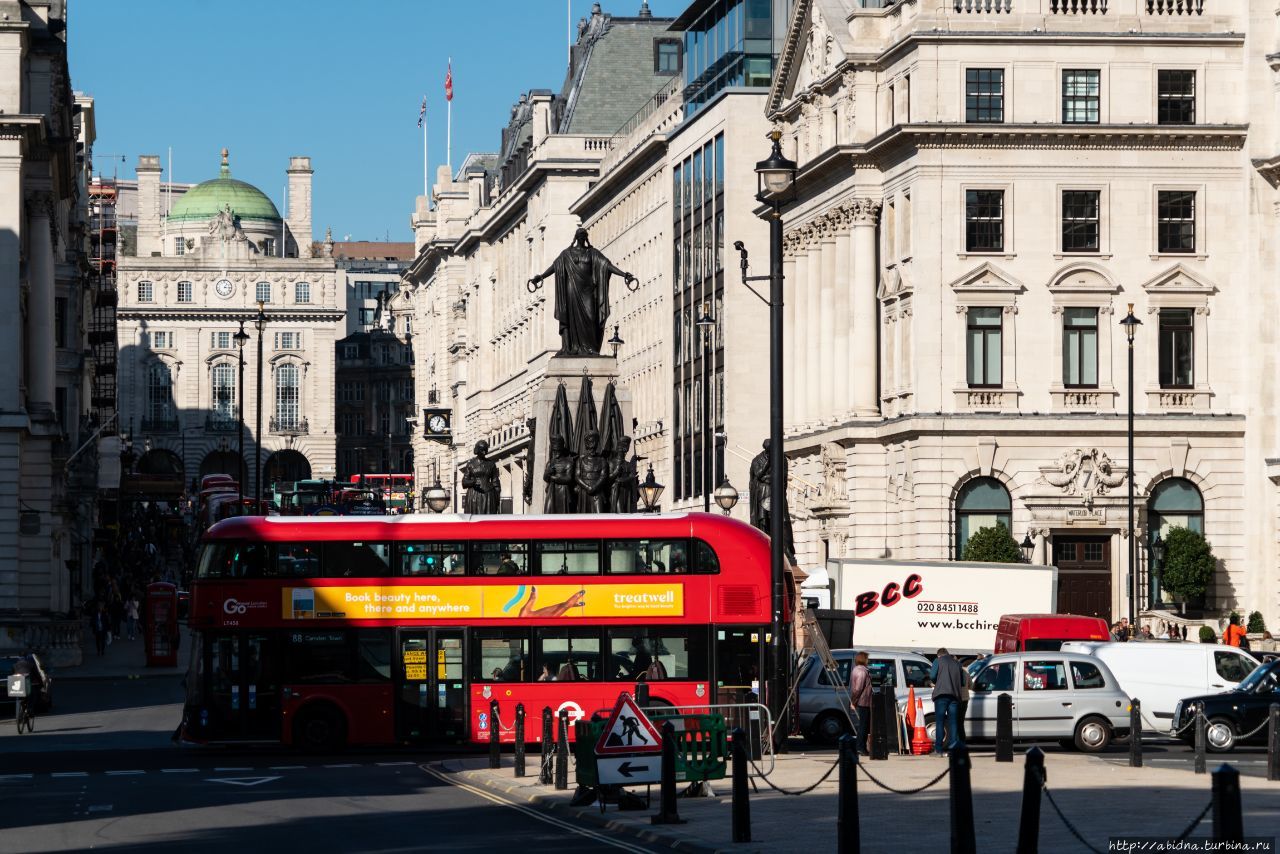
{"x":244,"y":685}
{"x":431,"y":701}
{"x":1084,"y":575}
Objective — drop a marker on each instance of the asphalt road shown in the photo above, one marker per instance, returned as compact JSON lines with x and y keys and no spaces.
{"x":102,"y":773}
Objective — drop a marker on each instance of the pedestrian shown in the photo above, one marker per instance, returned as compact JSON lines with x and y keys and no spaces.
{"x":860,"y":698}
{"x":131,"y":613}
{"x":947,"y":677}
{"x":100,"y":627}
{"x":1234,"y":632}
{"x":1146,"y":633}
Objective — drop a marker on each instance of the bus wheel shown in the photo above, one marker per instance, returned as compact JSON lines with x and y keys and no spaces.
{"x":320,"y":728}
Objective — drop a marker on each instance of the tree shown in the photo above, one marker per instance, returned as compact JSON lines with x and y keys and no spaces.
{"x":1256,"y":624}
{"x":1208,"y":635}
{"x":1188,"y":564}
{"x":993,"y":545}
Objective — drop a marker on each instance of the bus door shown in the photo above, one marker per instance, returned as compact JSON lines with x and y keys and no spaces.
{"x":432,"y":697}
{"x":243,"y":672}
{"x":739,"y":661}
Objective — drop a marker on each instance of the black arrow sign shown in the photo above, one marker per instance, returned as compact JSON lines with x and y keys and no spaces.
{"x":626,"y":768}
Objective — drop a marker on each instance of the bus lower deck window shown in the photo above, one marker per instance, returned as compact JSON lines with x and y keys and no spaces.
{"x":500,"y":656}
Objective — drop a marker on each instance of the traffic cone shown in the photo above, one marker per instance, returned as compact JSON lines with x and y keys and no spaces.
{"x":911,"y":708}
{"x":920,"y":743}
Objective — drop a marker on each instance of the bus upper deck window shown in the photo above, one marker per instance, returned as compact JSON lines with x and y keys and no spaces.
{"x":498,"y":558}
{"x":570,"y":557}
{"x":431,"y":558}
{"x":647,"y":556}
{"x":705,"y":559}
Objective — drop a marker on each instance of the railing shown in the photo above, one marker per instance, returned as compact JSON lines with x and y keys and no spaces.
{"x":57,"y":642}
{"x":160,"y":425}
{"x":1175,"y":7}
{"x":1082,"y":398}
{"x":651,"y":106}
{"x":220,"y":424}
{"x":1078,"y":7}
{"x":983,"y":6}
{"x":597,"y":143}
{"x":1176,"y":399}
{"x":985,"y":399}
{"x":289,"y":426}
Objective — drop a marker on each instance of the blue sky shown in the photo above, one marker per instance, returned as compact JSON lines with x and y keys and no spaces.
{"x":326,"y":78}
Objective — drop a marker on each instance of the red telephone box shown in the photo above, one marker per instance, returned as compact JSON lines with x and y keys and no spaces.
{"x":161,"y":635}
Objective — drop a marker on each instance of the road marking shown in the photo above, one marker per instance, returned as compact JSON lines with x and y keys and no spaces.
{"x":232,"y":769}
{"x":392,"y":764}
{"x":123,"y":773}
{"x":178,"y":770}
{"x":101,"y":807}
{"x":242,"y":781}
{"x":15,"y":777}
{"x":59,"y":774}
{"x":345,"y":765}
{"x":287,"y":768}
{"x":533,"y":813}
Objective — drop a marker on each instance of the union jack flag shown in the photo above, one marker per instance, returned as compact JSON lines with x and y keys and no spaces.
{"x":448,"y":83}
{"x":422,"y":112}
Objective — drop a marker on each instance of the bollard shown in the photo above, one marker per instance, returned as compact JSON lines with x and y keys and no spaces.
{"x":1135,"y":733}
{"x":880,"y":724}
{"x":1200,"y":745}
{"x":963,"y":838}
{"x":495,"y":755}
{"x":741,"y":797}
{"x":562,"y":752}
{"x":1033,"y":778}
{"x":848,"y":829}
{"x":1273,"y":743}
{"x":520,"y":739}
{"x":668,"y":814}
{"x":1228,"y":822}
{"x":642,"y":692}
{"x":1004,"y":728}
{"x":544,"y":773}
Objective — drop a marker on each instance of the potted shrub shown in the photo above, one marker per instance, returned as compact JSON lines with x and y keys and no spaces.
{"x":1188,"y":565}
{"x":1256,"y":624}
{"x":993,"y":545}
{"x":1208,"y":635}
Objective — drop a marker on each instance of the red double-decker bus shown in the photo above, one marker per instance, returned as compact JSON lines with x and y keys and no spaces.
{"x":396,"y":630}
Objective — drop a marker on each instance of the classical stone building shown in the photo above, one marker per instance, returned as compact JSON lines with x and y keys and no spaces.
{"x":47,"y":489}
{"x":199,"y":273}
{"x":984,"y":188}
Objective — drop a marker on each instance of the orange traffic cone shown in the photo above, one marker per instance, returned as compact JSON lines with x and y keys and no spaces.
{"x":921,"y":745}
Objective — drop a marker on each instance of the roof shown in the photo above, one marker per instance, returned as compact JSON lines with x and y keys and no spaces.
{"x":612,"y":75}
{"x":373,"y":250}
{"x":209,"y":198}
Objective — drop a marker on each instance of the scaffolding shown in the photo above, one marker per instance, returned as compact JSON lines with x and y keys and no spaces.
{"x":102,"y":330}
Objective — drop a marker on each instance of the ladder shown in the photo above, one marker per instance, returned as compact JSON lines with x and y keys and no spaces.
{"x":816,"y":643}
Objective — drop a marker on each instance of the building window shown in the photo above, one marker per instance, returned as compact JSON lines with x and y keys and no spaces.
{"x":666,"y":56}
{"x":288,"y":340}
{"x":184,"y":292}
{"x":220,"y":340}
{"x":287,"y":396}
{"x":159,"y":393}
{"x":161,"y":340}
{"x":302,"y":292}
{"x":1080,"y":347}
{"x":406,"y":389}
{"x":982,"y":503}
{"x":984,"y":347}
{"x":1175,"y":97}
{"x":1177,"y":348}
{"x":408,"y":325}
{"x":269,"y":246}
{"x":984,"y":95}
{"x":984,"y":220}
{"x":179,"y":246}
{"x":146,"y":292}
{"x":1175,"y":503}
{"x":1080,"y":220}
{"x":350,"y":351}
{"x":60,"y":321}
{"x":224,"y":391}
{"x":1081,"y":95}
{"x":262,"y":293}
{"x":1176,"y":221}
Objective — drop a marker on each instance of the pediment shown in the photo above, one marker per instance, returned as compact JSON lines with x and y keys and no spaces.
{"x":815,"y":47}
{"x":894,"y":283}
{"x":1179,"y":279}
{"x":987,"y":278}
{"x":1083,"y":277}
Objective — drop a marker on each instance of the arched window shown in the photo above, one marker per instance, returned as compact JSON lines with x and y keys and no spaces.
{"x":160,"y":408}
{"x":224,"y":391}
{"x":982,"y":503}
{"x":1175,"y":503}
{"x":287,"y":396}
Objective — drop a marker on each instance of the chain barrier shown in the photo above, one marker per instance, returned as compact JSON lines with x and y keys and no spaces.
{"x":1190,"y":827}
{"x":1180,"y":730}
{"x":501,"y":726}
{"x":783,"y":791}
{"x":863,"y":768}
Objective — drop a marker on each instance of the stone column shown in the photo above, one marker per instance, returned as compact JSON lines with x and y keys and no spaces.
{"x":828,"y":369}
{"x":863,"y":215}
{"x":789,"y":272}
{"x":810,"y":330}
{"x":794,"y":346}
{"x":40,"y":338}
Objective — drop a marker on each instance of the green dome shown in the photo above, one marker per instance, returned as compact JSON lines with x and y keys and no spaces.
{"x":208,"y":199}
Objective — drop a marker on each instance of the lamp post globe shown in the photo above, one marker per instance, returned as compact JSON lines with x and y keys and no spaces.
{"x":615,"y":342}
{"x":1028,"y":548}
{"x":726,"y":496}
{"x":436,"y":497}
{"x":650,"y":491}
{"x":776,"y":173}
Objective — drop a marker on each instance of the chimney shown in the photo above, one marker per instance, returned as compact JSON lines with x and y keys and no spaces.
{"x":298,"y":217}
{"x":148,"y":240}
{"x":541,"y":100}
{"x":476,"y":188}
{"x":423,"y":221}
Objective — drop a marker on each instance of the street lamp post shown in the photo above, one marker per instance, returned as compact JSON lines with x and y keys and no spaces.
{"x":1131,"y":324}
{"x":1156,"y":545}
{"x":241,"y":337}
{"x":650,"y":491}
{"x":261,"y":324}
{"x":706,"y":325}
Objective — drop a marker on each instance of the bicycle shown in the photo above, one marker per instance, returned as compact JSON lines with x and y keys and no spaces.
{"x":25,"y":716}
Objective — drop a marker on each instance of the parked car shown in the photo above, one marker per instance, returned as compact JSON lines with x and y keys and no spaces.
{"x":1161,"y":673}
{"x":1041,"y":632}
{"x":1068,"y":696}
{"x":1232,"y":715}
{"x":823,"y":718}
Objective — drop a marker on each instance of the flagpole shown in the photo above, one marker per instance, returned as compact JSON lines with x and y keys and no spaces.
{"x":448,"y":136}
{"x":426,"y":164}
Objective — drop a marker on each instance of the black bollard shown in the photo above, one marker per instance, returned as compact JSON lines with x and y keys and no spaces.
{"x":495,"y":754}
{"x":642,"y":692}
{"x":741,"y":796}
{"x":1032,"y":785}
{"x":1273,"y":743}
{"x":848,"y":829}
{"x":963,"y":838}
{"x":1200,"y":744}
{"x":562,"y":752}
{"x":520,"y":739}
{"x":544,"y":773}
{"x":880,"y":724}
{"x":668,"y":814}
{"x":1228,"y":821}
{"x":1135,"y":733}
{"x":1004,"y":728}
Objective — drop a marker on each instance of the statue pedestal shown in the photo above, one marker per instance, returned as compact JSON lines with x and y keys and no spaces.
{"x":570,"y":370}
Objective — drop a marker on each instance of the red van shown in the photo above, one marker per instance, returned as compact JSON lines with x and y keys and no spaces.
{"x":1046,"y":632}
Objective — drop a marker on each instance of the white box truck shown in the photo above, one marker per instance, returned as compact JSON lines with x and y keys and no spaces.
{"x":920,"y":606}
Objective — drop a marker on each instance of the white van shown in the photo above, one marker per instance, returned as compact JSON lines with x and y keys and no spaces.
{"x":1162,"y":673}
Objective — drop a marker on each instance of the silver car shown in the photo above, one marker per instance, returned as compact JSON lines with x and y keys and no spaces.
{"x":823,"y":718}
{"x":1064,"y":696}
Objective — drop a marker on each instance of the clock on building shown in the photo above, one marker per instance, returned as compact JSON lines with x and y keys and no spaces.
{"x":437,"y":421}
{"x":224,"y":288}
